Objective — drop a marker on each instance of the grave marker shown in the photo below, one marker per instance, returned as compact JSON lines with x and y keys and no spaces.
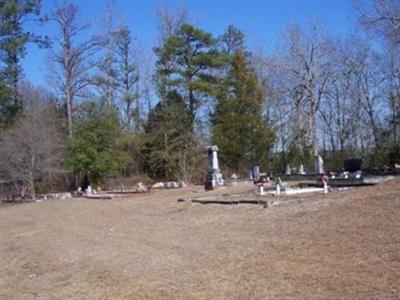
{"x":287,"y":170}
{"x":300,"y":170}
{"x":319,"y":164}
{"x":214,"y":176}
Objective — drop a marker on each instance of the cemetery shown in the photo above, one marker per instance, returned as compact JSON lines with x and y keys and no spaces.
{"x":283,"y":183}
{"x":248,"y":247}
{"x":301,"y":183}
{"x":199,"y":149}
{"x":262,"y":227}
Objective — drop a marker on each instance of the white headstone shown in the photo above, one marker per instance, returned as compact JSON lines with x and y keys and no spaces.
{"x":261,"y":190}
{"x":182,"y":184}
{"x":141,"y":188}
{"x":300,"y":170}
{"x":325,"y":187}
{"x":89,"y":191}
{"x":251,"y":174}
{"x":287,"y":170}
{"x":278,"y":189}
{"x":319,"y":165}
{"x":278,"y":183}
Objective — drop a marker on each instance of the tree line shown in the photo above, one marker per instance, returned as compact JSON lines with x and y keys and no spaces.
{"x":110,"y":110}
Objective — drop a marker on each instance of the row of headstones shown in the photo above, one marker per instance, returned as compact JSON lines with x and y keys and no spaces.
{"x":214,"y":175}
{"x":319,"y":167}
{"x":351,"y":165}
{"x":300,"y":170}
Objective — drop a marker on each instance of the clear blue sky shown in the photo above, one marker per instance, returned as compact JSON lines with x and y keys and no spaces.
{"x":261,"y":20}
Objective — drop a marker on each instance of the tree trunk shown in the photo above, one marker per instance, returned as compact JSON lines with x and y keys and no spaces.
{"x":68,"y":79}
{"x":69,"y":112}
{"x":191,"y":107}
{"x":137,"y":123}
{"x":32,"y":186}
{"x":313,"y":129}
{"x":31,"y":177}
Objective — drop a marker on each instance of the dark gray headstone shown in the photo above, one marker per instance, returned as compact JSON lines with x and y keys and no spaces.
{"x":353,"y":165}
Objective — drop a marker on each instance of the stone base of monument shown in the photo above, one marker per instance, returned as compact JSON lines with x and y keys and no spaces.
{"x":213,"y":181}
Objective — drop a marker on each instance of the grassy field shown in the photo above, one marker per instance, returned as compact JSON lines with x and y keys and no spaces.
{"x":344,"y":245}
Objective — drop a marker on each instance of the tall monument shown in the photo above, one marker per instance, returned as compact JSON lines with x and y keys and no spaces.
{"x":319,"y":165}
{"x":214,"y":176}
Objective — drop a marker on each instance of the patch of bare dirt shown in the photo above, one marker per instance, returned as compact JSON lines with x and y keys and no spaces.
{"x":148,"y":246}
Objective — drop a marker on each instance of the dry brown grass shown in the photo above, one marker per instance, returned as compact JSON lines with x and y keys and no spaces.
{"x":344,"y":245}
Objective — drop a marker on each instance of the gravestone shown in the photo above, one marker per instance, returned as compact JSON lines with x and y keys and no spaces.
{"x":300,"y":170}
{"x":325,"y":187}
{"x":85,"y":183}
{"x":287,"y":170}
{"x":89,"y":191}
{"x":251,"y":174}
{"x":214,"y":176}
{"x":352,"y":165}
{"x":256,"y":173}
{"x":171,"y":185}
{"x":278,"y":186}
{"x":319,"y":164}
{"x":140,"y":187}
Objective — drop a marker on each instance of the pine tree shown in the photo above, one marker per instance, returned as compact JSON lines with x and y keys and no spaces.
{"x":96,"y":148}
{"x":185,"y":63}
{"x":239,"y":128}
{"x":186,"y":77}
{"x":13,"y":40}
{"x":232,"y":40}
{"x":127,"y":77}
{"x":165,"y":142}
{"x":7,"y":109}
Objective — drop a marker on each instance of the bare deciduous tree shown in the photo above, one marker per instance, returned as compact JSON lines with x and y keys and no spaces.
{"x":106,"y":76}
{"x":71,"y":56}
{"x":168,"y":22}
{"x":392,"y":89}
{"x":382,"y":17}
{"x":366,"y":79}
{"x":305,"y":60}
{"x":31,"y":148}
